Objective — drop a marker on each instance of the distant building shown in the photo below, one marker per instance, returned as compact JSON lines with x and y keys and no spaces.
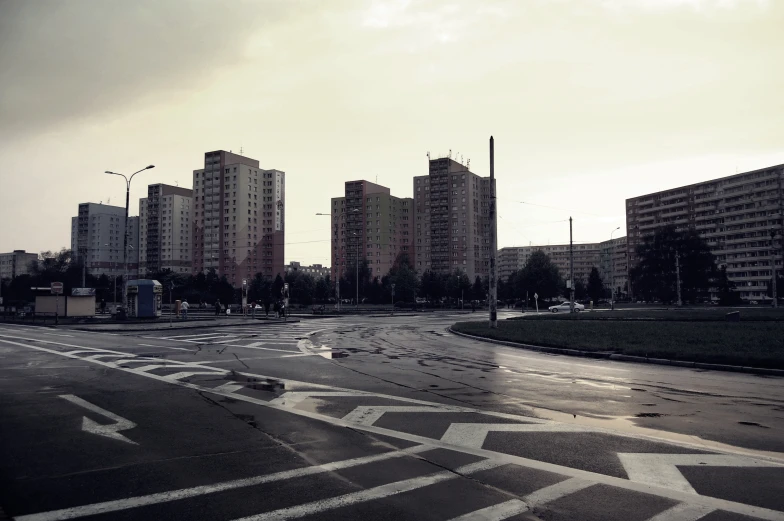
{"x":97,"y":237}
{"x":734,"y":214}
{"x":238,"y":217}
{"x":16,"y":263}
{"x":586,"y":256}
{"x":452,"y":224}
{"x":614,"y":265}
{"x":317,"y":271}
{"x":165,"y":229}
{"x":370,"y":223}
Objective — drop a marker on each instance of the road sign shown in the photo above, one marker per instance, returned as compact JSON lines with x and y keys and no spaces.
{"x":57,"y":288}
{"x":536,"y":296}
{"x":244,"y":282}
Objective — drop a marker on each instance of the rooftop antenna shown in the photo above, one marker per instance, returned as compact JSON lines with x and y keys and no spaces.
{"x":428,"y":155}
{"x":450,"y":154}
{"x":468,"y":165}
{"x":240,"y":149}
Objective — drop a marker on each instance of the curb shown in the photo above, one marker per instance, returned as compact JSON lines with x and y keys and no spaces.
{"x":626,"y":358}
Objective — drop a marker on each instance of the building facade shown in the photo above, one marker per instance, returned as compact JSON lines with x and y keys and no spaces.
{"x":370,"y":223}
{"x":452,"y":219}
{"x":614,"y":265}
{"x":165,"y":229}
{"x":97,"y":237}
{"x":16,"y":263}
{"x":740,"y":216}
{"x":238,"y":218}
{"x":317,"y":271}
{"x":586,"y":257}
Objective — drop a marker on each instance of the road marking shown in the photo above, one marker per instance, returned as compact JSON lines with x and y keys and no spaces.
{"x":110,"y":431}
{"x":228,"y":387}
{"x":370,"y":414}
{"x":293,"y":398}
{"x":553,"y":492}
{"x":370,"y":494}
{"x":56,"y":334}
{"x":192,"y":336}
{"x":184,"y":493}
{"x":497,"y":512}
{"x":661,"y":470}
{"x":167,"y":347}
{"x":262,"y":348}
{"x":683,"y":512}
{"x":716,"y":503}
{"x":474,"y":434}
{"x":188,"y":374}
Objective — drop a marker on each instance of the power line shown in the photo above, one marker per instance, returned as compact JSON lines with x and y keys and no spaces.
{"x":551,"y":207}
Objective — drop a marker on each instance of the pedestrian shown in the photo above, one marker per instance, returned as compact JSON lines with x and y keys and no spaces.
{"x":217,"y":307}
{"x":253,"y":309}
{"x":276,"y":309}
{"x":103,"y":307}
{"x":266,"y":308}
{"x":184,"y":308}
{"x":473,"y":306}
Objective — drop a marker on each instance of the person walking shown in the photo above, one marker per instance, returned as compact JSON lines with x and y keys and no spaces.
{"x":103,"y":307}
{"x":184,"y":308}
{"x":266,"y":308}
{"x":217,"y":307}
{"x":253,"y":309}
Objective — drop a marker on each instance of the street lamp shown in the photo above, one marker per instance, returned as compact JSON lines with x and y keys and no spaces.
{"x":612,"y":269}
{"x":125,"y":242}
{"x":114,"y":276}
{"x":337,"y":272}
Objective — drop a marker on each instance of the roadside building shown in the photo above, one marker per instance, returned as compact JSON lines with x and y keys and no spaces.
{"x":317,"y":271}
{"x":97,"y":237}
{"x":165,"y":229}
{"x":16,"y":263}
{"x":238,"y":222}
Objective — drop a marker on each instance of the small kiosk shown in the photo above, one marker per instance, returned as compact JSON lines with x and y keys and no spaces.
{"x":144,"y":298}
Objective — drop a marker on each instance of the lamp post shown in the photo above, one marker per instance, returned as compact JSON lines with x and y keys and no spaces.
{"x":356,"y":241}
{"x":612,"y":269}
{"x":114,"y":275}
{"x":337,"y":272}
{"x":125,"y":241}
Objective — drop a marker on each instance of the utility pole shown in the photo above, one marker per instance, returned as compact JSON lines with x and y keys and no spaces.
{"x":571,"y":269}
{"x":493,"y":233}
{"x":84,"y":268}
{"x":678,"y":276}
{"x":393,"y":299}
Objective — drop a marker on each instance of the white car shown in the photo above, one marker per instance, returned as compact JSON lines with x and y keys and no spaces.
{"x":564,"y":306}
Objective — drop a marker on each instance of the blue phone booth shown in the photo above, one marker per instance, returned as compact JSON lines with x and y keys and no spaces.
{"x":144,"y":298}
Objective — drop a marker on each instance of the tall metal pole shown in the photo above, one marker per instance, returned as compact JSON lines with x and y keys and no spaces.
{"x":678,"y":276}
{"x":612,"y":269}
{"x":84,"y":269}
{"x":571,"y":269}
{"x":493,"y":242}
{"x":125,"y":245}
{"x":357,"y":271}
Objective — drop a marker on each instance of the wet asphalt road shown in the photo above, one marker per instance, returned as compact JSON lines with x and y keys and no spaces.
{"x":372,"y":418}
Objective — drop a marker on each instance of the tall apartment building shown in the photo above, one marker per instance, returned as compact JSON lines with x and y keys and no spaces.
{"x":614,"y":264}
{"x":165,"y":229}
{"x":734,"y":214}
{"x":16,"y":263}
{"x":586,"y":256}
{"x":452,"y":224}
{"x":317,"y":271}
{"x":97,"y":236}
{"x":238,"y":217}
{"x":370,"y":223}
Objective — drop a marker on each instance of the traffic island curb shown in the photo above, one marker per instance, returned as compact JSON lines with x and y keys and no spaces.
{"x":625,"y":358}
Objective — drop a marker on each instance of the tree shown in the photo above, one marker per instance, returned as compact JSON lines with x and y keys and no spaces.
{"x":595,"y":285}
{"x":539,"y":275}
{"x":362,"y":271}
{"x":654,"y":277}
{"x":277,"y":286}
{"x":404,"y":277}
{"x":259,"y":289}
{"x":580,"y":291}
{"x":728,"y":296}
{"x":478,"y":289}
{"x":432,"y":286}
{"x":458,"y":284}
{"x":323,"y":289}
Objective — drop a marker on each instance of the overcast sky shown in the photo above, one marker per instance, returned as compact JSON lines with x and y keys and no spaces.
{"x":590,"y":102}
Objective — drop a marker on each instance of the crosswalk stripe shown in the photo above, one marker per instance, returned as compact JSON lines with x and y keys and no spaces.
{"x":474,"y":434}
{"x":174,"y":495}
{"x":370,"y":414}
{"x":370,"y":494}
{"x":683,"y":512}
{"x":553,"y":492}
{"x":293,"y":398}
{"x":497,"y":512}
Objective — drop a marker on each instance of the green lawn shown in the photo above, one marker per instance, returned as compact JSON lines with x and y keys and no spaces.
{"x":684,"y":314}
{"x":757,"y":344}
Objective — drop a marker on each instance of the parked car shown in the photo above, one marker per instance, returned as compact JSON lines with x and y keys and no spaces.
{"x":565,"y":306}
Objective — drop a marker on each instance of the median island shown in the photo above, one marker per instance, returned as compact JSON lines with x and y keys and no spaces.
{"x":703,"y":336}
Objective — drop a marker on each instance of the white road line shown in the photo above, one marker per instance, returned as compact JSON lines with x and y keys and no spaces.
{"x":370,"y":414}
{"x":293,"y":398}
{"x":497,"y":512}
{"x":168,"y":347}
{"x":683,"y":512}
{"x":717,"y":503}
{"x":262,"y":348}
{"x":188,"y":374}
{"x":661,"y":470}
{"x":228,"y":387}
{"x":474,"y":434}
{"x":184,"y":493}
{"x":553,"y":492}
{"x":370,"y":494}
{"x":192,"y":335}
{"x":56,"y":334}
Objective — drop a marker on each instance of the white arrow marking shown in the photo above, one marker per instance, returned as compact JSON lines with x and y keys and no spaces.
{"x":474,"y":434}
{"x":370,"y":414}
{"x":661,"y":470}
{"x":110,"y":431}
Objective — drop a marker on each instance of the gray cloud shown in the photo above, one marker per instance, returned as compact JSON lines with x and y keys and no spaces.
{"x":78,"y":59}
